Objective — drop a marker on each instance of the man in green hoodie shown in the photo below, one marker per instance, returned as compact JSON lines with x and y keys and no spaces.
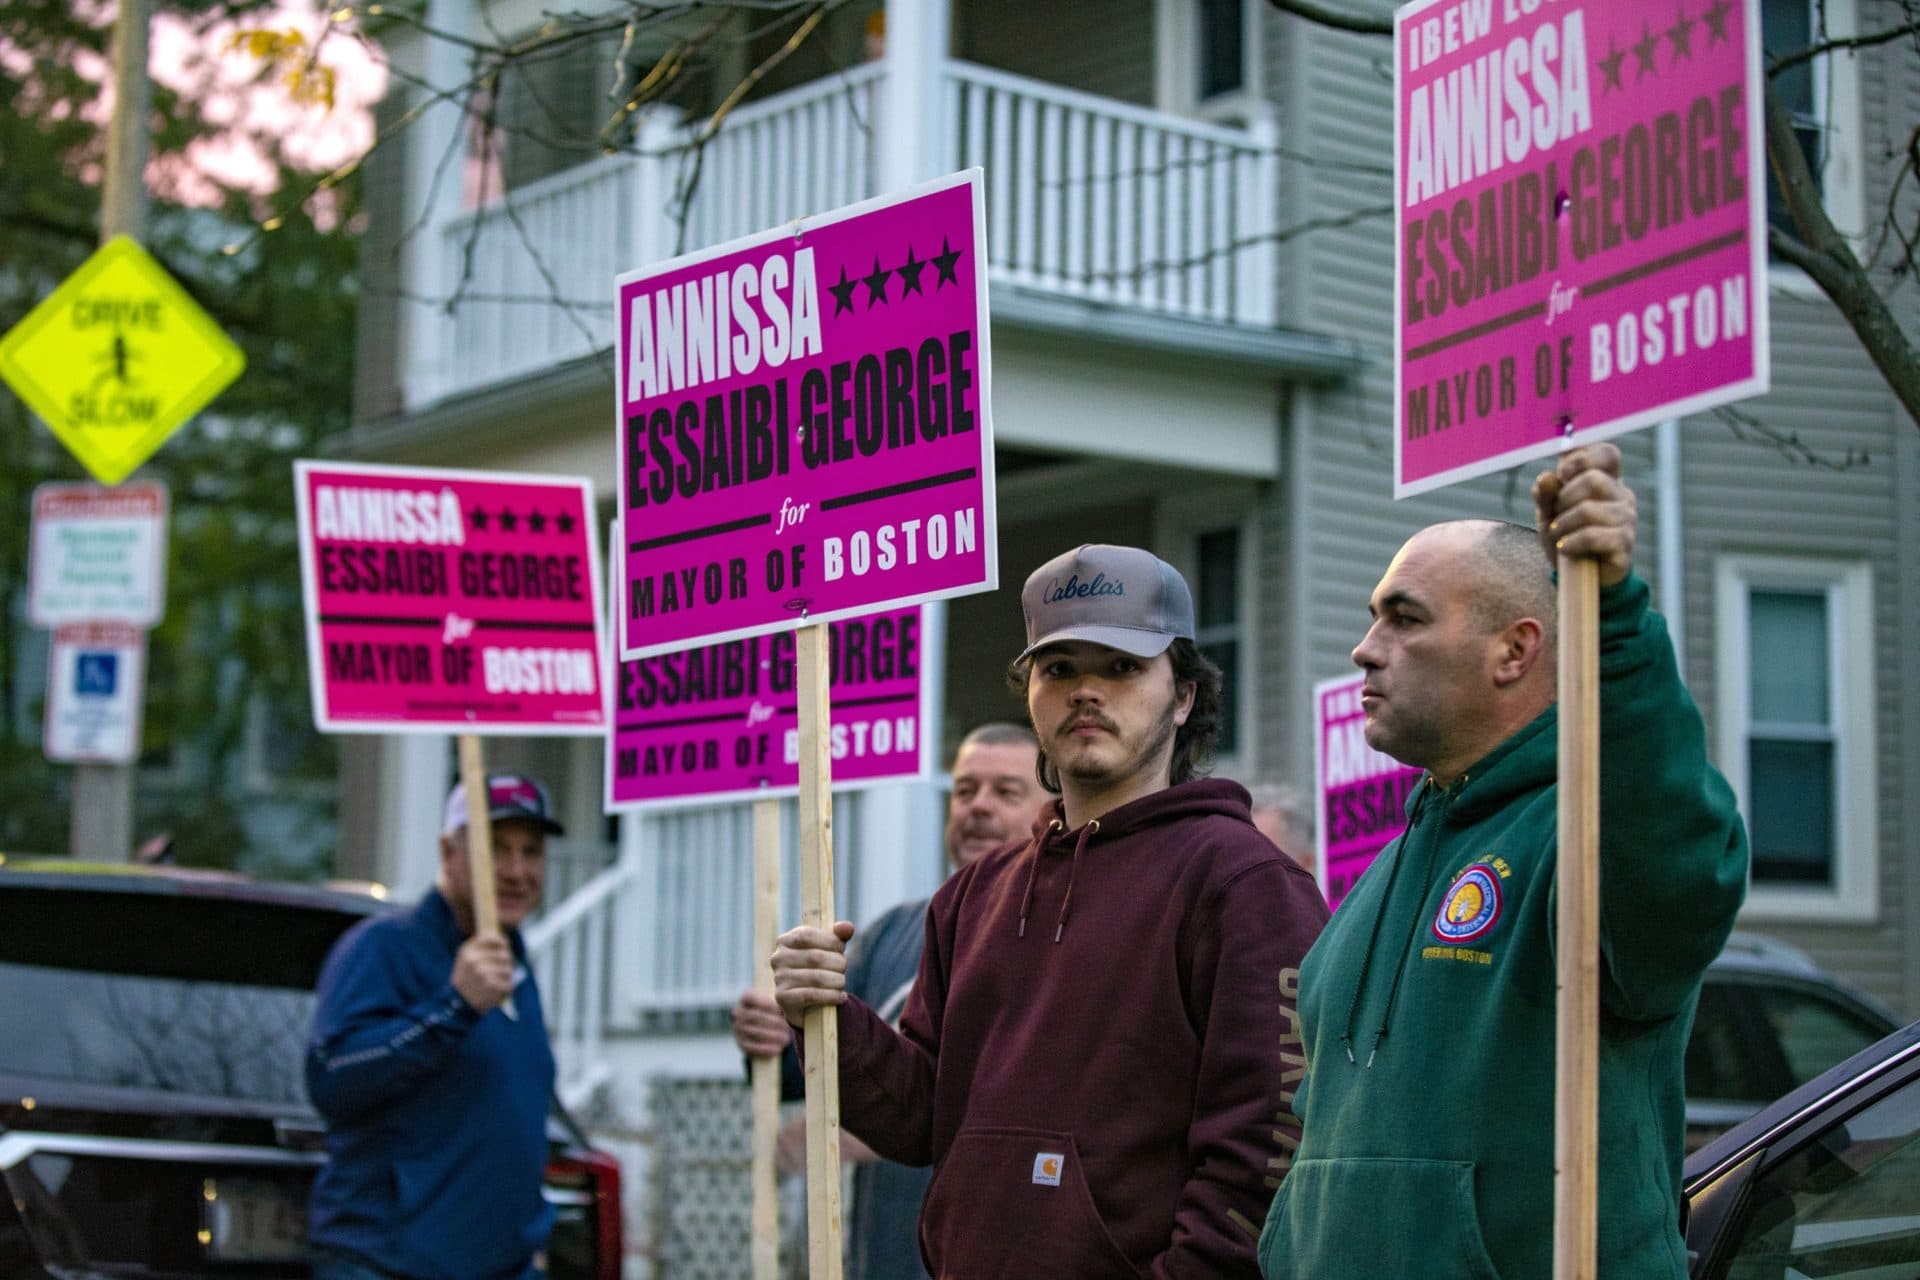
{"x":1427,"y":1005}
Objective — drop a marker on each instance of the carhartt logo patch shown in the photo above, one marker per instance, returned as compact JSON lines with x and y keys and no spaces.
{"x":1046,"y":1168}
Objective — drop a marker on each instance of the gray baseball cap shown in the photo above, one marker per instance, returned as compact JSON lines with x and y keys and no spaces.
{"x":1121,"y":597}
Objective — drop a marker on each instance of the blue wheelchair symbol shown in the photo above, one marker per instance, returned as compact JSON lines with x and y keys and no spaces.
{"x":96,"y":674}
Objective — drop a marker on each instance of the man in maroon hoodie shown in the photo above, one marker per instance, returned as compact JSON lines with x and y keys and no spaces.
{"x":1101,"y":1050}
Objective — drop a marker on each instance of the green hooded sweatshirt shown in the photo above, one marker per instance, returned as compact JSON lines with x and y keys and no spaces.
{"x":1427,"y":1006}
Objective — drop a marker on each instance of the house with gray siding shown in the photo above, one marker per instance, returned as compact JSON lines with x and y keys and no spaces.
{"x":1190,"y":274}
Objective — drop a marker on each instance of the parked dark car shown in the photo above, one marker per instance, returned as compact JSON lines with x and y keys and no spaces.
{"x":1769,"y":1021}
{"x":153,"y":1111}
{"x":1824,"y":1182}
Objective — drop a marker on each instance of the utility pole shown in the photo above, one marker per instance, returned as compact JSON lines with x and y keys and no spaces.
{"x":102,"y":825}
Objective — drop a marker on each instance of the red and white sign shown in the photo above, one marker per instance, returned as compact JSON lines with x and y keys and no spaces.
{"x":450,"y":601}
{"x":1580,"y":225}
{"x":96,"y":675}
{"x":803,"y":423}
{"x":1362,"y":793}
{"x":98,"y":554}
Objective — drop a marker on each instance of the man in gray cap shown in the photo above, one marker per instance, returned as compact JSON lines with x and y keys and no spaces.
{"x":1101,"y":1050}
{"x":430,"y":1064}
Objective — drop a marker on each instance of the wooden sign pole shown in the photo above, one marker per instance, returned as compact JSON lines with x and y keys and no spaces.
{"x":766,"y":1071}
{"x":821,"y":1026}
{"x":486,"y":910}
{"x":1576,"y":1128}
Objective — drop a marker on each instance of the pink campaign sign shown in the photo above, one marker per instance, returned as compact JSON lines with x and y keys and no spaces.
{"x":721,"y":722}
{"x":1580,"y":226}
{"x":803,"y":423}
{"x":1362,"y":793}
{"x":450,"y":601}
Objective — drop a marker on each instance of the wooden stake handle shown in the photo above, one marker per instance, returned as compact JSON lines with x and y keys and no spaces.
{"x":473,"y":776}
{"x":1576,"y":1127}
{"x":822,"y":1024}
{"x":766,"y":1071}
{"x":486,"y":909}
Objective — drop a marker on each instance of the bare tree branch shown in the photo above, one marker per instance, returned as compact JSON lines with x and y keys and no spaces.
{"x":1776,"y":65}
{"x":1824,"y":254}
{"x":1787,"y":443}
{"x":1326,"y":16}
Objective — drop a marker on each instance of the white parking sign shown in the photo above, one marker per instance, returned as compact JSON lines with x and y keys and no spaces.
{"x":99,"y":554}
{"x":95,"y":678}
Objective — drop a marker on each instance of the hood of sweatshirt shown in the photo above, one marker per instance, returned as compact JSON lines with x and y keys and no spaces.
{"x":1052,"y":838}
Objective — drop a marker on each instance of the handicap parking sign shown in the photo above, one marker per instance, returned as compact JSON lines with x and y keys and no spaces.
{"x":96,"y":674}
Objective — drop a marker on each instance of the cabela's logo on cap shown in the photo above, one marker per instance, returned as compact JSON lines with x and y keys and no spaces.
{"x":1471,"y":907}
{"x":1074,"y":589}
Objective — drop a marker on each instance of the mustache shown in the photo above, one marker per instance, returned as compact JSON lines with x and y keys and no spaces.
{"x":1080,"y":718}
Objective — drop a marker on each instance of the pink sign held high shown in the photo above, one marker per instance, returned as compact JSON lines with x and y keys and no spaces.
{"x":1362,"y":793}
{"x":1580,"y":224}
{"x":803,"y":425}
{"x":450,"y":601}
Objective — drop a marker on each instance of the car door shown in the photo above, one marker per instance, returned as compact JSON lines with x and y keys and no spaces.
{"x":1828,"y":1186}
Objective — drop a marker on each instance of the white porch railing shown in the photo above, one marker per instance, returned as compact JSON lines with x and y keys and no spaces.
{"x":1087,"y":197}
{"x":664,"y":931}
{"x":570,"y":950}
{"x":802,"y":152}
{"x":1099,"y":199}
{"x":530,"y":276}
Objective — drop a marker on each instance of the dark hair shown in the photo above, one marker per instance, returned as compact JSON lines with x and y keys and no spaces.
{"x":1194,"y":742}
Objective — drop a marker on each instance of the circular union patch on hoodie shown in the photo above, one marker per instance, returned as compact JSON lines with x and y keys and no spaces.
{"x":1471,"y":907}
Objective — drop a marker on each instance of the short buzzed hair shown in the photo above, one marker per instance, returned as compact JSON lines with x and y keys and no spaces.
{"x":998,"y":733}
{"x":1516,"y":582}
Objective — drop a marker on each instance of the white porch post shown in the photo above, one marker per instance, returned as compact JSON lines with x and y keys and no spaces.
{"x":435,"y":151}
{"x":416,"y":771}
{"x":897,"y":854}
{"x":893,"y":861}
{"x":1256,"y":287}
{"x":914,"y":145}
{"x":654,"y":231}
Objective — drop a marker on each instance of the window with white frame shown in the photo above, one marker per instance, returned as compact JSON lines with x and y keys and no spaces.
{"x":1823,"y":97}
{"x":1217,"y":621}
{"x":1209,"y":537}
{"x":1209,"y":56}
{"x":1795,"y":717}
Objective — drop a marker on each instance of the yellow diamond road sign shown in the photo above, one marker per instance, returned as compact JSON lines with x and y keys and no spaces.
{"x":116,"y":359}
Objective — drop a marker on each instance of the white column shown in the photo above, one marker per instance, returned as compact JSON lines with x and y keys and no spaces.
{"x":914,"y":145}
{"x":1671,"y":560}
{"x":433,"y":196}
{"x":1257,"y":284}
{"x":417,"y":770}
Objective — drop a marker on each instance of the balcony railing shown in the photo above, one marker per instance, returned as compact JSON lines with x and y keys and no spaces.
{"x":1087,"y":198}
{"x":1101,"y":200}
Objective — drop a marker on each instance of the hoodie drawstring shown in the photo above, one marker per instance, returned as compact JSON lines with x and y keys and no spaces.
{"x":1026,"y":899}
{"x":1373,"y":939}
{"x":1073,"y":869}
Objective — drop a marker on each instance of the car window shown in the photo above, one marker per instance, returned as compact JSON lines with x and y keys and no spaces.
{"x":1813,"y":1032}
{"x":1845,"y":1206}
{"x":215,"y":1039}
{"x":1724,"y":1063}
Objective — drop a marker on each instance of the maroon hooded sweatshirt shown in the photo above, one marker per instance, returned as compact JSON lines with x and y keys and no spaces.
{"x":1101,"y":1050}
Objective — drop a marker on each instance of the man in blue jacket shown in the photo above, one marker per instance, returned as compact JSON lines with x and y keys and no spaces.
{"x":430,"y":1064}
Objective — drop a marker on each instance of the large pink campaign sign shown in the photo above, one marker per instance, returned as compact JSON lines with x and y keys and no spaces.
{"x":721,"y":722}
{"x":803,"y":423}
{"x":450,"y":601}
{"x":1580,"y":224}
{"x":1362,"y":793}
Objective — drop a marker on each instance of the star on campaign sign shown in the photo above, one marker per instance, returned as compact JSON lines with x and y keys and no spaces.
{"x":116,"y":359}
